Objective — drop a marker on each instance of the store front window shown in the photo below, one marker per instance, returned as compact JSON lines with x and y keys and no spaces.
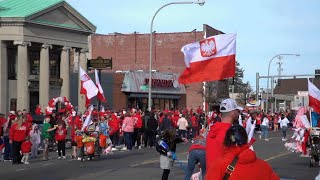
{"x":158,"y":103}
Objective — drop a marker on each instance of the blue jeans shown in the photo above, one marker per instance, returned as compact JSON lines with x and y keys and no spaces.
{"x":284,"y":131}
{"x":7,"y":146}
{"x":196,"y":156}
{"x":183,"y":133}
{"x":128,"y":139}
{"x":264,"y":132}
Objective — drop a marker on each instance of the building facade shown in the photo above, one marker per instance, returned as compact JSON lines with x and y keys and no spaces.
{"x":42,"y":42}
{"x":130,"y":55}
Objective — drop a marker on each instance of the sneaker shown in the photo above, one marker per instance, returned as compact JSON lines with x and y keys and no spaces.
{"x":114,"y":149}
{"x":79,"y":159}
{"x":266,"y":139}
{"x":59,"y":157}
{"x":64,"y":158}
{"x":124,"y":149}
{"x":139,"y":147}
{"x":26,"y":162}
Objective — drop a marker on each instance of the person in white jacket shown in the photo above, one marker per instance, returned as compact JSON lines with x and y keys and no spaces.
{"x":35,"y":138}
{"x":264,"y":127}
{"x":284,"y":126}
{"x":182,"y":125}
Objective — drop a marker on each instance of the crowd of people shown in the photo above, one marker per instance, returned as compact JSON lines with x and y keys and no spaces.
{"x":131,"y":128}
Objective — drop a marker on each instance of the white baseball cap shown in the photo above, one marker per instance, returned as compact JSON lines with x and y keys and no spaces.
{"x":228,"y":105}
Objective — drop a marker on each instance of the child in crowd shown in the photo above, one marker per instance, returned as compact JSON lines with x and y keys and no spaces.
{"x":167,"y":152}
{"x":26,"y":149}
{"x":47,"y":129}
{"x":60,"y":137}
{"x":35,"y":138}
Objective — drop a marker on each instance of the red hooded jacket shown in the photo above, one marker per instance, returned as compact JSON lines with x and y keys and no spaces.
{"x":19,"y":134}
{"x":214,"y":142}
{"x":248,"y":167}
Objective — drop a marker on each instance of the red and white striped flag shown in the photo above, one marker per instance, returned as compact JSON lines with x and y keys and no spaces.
{"x":100,"y":95}
{"x":210,"y":59}
{"x":314,"y":97}
{"x":88,"y":88}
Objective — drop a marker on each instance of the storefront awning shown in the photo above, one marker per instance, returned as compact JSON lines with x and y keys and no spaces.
{"x":160,"y":96}
{"x":162,"y":83}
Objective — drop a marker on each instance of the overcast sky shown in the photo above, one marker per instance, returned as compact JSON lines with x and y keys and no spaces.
{"x":264,"y":28}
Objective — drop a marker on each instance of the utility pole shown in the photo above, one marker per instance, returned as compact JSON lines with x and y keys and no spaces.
{"x":280,"y":64}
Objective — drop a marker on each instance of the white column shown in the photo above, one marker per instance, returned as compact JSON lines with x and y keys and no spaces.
{"x":22,"y":75}
{"x":65,"y":72}
{"x":3,"y":78}
{"x":83,"y":65}
{"x":44,"y":76}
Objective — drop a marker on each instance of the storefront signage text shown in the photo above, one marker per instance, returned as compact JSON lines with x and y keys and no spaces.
{"x":99,"y":63}
{"x":160,"y":83}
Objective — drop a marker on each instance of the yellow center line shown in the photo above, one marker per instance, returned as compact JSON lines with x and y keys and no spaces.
{"x":152,"y":161}
{"x":278,"y":155}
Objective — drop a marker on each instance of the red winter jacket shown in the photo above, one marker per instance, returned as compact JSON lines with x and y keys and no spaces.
{"x":214,"y":142}
{"x":61,"y":134}
{"x":114,"y":124}
{"x":194,"y":121}
{"x":248,"y":167}
{"x":138,"y":123}
{"x":29,"y":118}
{"x":38,"y":111}
{"x":19,"y":134}
{"x":2,"y":122}
{"x":26,"y":147}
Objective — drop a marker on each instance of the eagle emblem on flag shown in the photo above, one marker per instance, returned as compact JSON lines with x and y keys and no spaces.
{"x":208,"y":47}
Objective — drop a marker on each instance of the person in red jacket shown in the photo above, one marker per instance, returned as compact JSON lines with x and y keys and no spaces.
{"x":38,"y":110}
{"x":137,"y":128}
{"x":18,"y":133}
{"x":114,"y":124}
{"x":230,"y":113}
{"x":26,"y":149}
{"x":195,"y":125}
{"x":247,"y":167}
{"x":60,"y":137}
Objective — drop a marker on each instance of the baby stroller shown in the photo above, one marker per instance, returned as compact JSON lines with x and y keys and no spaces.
{"x":314,"y":141}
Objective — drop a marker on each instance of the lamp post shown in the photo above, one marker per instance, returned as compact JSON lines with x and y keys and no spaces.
{"x":200,"y":2}
{"x":278,"y":55}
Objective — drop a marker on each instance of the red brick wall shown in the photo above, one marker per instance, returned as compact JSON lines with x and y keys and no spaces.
{"x":131,"y":52}
{"x":119,"y":98}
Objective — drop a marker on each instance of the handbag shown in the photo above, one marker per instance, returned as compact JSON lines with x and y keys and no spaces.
{"x":230,"y":168}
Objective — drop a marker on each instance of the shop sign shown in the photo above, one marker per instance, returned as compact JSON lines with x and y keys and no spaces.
{"x":99,"y":63}
{"x":55,"y":81}
{"x":161,"y":83}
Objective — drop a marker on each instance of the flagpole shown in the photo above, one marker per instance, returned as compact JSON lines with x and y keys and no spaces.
{"x":200,"y":2}
{"x":99,"y":75}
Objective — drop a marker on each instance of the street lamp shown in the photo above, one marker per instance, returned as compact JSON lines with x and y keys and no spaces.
{"x":278,"y":55}
{"x":201,"y":3}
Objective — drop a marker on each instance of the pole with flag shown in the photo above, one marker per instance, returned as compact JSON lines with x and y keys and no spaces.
{"x":100,"y":95}
{"x":88,"y":88}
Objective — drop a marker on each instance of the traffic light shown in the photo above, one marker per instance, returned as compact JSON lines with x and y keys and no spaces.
{"x":279,"y":82}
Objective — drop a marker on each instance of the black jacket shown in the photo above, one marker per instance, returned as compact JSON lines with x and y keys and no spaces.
{"x":165,"y":124}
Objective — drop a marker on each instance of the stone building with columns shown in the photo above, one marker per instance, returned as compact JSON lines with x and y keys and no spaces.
{"x":42,"y":43}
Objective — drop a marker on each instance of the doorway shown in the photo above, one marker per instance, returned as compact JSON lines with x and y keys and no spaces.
{"x":34,"y":101}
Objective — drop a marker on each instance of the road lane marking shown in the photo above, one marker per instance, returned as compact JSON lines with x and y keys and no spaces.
{"x":20,"y":170}
{"x":279,"y":155}
{"x":47,"y":164}
{"x":152,"y":161}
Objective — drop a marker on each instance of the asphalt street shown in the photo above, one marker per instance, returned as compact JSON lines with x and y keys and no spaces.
{"x":144,"y":164}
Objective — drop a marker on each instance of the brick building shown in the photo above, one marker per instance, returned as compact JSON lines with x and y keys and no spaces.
{"x":130,"y":54}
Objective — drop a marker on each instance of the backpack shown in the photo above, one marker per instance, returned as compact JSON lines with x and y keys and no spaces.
{"x":162,"y":147}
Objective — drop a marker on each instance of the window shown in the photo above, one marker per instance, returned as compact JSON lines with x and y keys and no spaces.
{"x":54,"y":63}
{"x":34,"y":62}
{"x":12,"y":63}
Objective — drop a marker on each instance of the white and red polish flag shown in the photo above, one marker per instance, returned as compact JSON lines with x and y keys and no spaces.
{"x":100,"y":95}
{"x":210,"y":59}
{"x":314,"y":97}
{"x":88,"y":88}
